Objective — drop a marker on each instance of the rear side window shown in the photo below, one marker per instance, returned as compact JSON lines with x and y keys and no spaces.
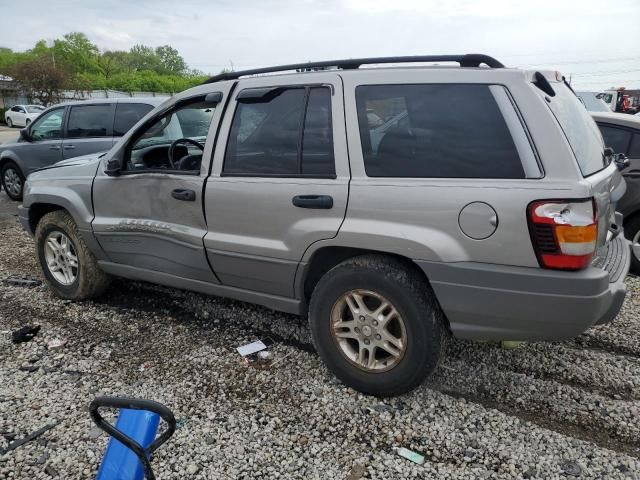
{"x":90,"y":121}
{"x":435,"y":131}
{"x":127,"y":115}
{"x":285,"y":133}
{"x":579,"y":128}
{"x":616,"y":138}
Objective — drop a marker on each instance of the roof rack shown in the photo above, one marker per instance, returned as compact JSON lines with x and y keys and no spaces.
{"x":468,"y":60}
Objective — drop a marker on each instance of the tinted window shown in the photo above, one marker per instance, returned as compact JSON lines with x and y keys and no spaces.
{"x":90,"y":121}
{"x":267,"y":133}
{"x":435,"y":131}
{"x":127,"y":115}
{"x":579,"y":129}
{"x":48,"y":126}
{"x":616,"y":138}
{"x":634,"y":149}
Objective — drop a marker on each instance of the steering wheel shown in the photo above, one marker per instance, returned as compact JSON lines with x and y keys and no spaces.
{"x":179,"y":141}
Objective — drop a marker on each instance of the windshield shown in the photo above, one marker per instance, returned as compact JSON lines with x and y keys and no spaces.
{"x":579,"y":128}
{"x":592,"y":103}
{"x":34,"y":108}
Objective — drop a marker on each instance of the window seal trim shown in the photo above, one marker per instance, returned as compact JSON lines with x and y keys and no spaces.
{"x":193,"y":173}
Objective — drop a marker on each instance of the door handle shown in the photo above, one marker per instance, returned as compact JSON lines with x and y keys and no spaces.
{"x":69,"y":147}
{"x":184,"y":194}
{"x":54,"y":147}
{"x":313,"y":201}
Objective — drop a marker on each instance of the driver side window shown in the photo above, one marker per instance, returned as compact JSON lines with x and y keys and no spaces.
{"x":174,"y":141}
{"x":48,"y":126}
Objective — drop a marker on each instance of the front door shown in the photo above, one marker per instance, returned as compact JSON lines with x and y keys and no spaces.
{"x":89,"y":129}
{"x":279,"y":182}
{"x":45,"y":145}
{"x":150,"y":217}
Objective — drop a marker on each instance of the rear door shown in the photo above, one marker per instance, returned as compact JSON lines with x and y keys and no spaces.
{"x":280,"y":180}
{"x":88,"y":129}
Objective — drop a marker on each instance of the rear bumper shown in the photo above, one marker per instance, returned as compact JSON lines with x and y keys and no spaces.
{"x":23,"y":218}
{"x":496,"y":302}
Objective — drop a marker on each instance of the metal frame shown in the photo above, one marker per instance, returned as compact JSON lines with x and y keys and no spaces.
{"x":468,"y":60}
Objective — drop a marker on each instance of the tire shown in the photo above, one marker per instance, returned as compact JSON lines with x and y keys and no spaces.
{"x":12,"y":180}
{"x":423,"y":333}
{"x":89,"y":280}
{"x":9,"y":122}
{"x":27,"y":122}
{"x":632,"y":232}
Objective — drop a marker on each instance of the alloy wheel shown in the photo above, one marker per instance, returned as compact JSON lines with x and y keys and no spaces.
{"x":61,"y":258}
{"x":369,"y":330}
{"x":635,"y":245}
{"x":12,"y":182}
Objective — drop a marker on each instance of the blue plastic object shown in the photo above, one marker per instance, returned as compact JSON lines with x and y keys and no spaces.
{"x":120,"y":462}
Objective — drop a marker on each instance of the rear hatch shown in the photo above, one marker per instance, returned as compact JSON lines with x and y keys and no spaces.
{"x":599,"y":171}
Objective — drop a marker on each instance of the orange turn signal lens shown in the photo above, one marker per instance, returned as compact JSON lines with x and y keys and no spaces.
{"x":571,"y":234}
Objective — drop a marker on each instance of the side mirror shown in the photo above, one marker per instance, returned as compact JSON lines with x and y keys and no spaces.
{"x":114,"y":165}
{"x":25,"y":135}
{"x":621,"y":160}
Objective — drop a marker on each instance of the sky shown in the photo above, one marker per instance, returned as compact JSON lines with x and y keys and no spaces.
{"x":595,"y":43}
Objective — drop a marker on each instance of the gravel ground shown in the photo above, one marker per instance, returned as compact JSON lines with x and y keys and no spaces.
{"x":547,"y":410}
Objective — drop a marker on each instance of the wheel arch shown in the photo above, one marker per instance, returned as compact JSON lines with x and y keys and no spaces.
{"x":325,"y":258}
{"x":39,"y":209}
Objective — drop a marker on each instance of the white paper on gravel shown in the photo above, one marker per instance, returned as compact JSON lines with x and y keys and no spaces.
{"x":250,"y":348}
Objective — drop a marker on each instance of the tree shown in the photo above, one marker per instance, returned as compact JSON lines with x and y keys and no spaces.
{"x":78,"y":52}
{"x":142,"y":58}
{"x":42,"y":79}
{"x":170,"y":61}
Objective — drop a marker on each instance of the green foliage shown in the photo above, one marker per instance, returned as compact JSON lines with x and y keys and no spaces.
{"x":142,"y":68}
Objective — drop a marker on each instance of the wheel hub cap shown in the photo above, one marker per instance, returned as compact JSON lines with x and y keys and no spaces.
{"x":61,"y":258}
{"x":635,"y":247}
{"x":12,"y":181}
{"x":369,"y":331}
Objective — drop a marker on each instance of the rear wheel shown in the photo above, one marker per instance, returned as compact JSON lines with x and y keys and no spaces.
{"x":70,"y":269}
{"x":12,"y":180}
{"x":376,"y":325}
{"x":632,"y":232}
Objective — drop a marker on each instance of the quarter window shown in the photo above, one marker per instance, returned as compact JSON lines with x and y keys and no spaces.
{"x":127,"y":115}
{"x":435,"y":131}
{"x":90,"y":121}
{"x":285,"y":132}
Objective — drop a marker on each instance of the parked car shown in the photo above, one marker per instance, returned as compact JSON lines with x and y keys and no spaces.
{"x":621,"y":132}
{"x":22,"y":115}
{"x":488,"y":212}
{"x":592,"y":102}
{"x":65,"y":131}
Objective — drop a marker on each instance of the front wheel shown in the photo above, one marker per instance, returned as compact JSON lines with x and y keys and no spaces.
{"x":70,"y":269}
{"x":9,"y":122}
{"x":12,"y":180}
{"x":376,"y":325}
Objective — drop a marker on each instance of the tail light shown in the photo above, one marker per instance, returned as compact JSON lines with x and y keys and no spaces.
{"x":564,"y":233}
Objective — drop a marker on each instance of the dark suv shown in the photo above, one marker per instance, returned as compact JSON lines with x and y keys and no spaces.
{"x":68,"y":130}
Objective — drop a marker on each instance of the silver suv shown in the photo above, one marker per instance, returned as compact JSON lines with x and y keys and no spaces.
{"x":392,"y":205}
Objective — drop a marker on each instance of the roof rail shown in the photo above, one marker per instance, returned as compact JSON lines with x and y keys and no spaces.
{"x":468,"y":60}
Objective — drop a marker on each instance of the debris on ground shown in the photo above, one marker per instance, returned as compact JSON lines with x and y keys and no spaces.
{"x":357,"y":472}
{"x":22,"y":282}
{"x":57,"y":343}
{"x":251,"y":348}
{"x":32,"y":436}
{"x":410,"y":455}
{"x":511,"y":344}
{"x":570,"y":467}
{"x":145,"y":366}
{"x":25,"y":334}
